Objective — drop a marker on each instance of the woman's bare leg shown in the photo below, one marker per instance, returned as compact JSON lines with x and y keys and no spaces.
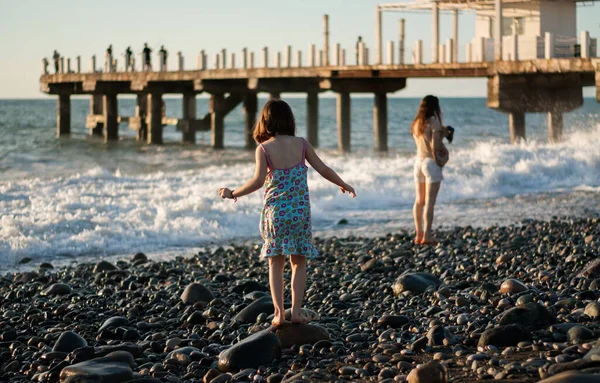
{"x":431,"y":192}
{"x":418,"y":210}
{"x":298,"y":286}
{"x":276,"y":265}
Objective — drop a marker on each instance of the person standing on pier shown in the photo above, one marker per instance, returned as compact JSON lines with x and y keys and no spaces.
{"x":163,"y":57}
{"x":432,"y":155}
{"x":109,"y":59}
{"x":128,"y":55}
{"x":285,"y":224}
{"x":147,"y":57}
{"x":56,"y":58}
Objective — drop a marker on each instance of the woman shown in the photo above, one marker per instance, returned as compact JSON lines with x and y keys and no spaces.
{"x":428,"y":132}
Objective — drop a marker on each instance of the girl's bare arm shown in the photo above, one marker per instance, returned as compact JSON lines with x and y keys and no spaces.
{"x":254,"y":184}
{"x":325,"y":171}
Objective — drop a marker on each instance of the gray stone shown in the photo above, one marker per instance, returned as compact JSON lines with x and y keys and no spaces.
{"x":504,"y":336}
{"x":297,"y":334}
{"x":115,"y":367}
{"x":432,"y":372}
{"x":394,"y":321}
{"x":196,"y":292}
{"x":104,"y":266}
{"x":415,"y":282}
{"x":591,"y":270}
{"x":592,"y":310}
{"x":183,"y":350}
{"x":254,"y":309}
{"x":69,"y":341}
{"x":113,"y":322}
{"x":579,"y":334}
{"x":572,"y":377}
{"x":530,"y":315}
{"x":257,"y":350}
{"x":57,"y":289}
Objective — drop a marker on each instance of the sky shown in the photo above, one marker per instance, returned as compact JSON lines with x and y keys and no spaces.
{"x":32,"y":29}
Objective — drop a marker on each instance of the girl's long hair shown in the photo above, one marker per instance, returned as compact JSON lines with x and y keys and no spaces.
{"x":430,"y":107}
{"x":276,"y":118}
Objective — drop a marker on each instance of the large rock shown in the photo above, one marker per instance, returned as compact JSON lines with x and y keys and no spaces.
{"x":114,"y":322}
{"x":69,"y":341}
{"x":57,"y":289}
{"x":572,"y":377}
{"x":308,"y":313}
{"x":579,"y":334}
{"x":512,"y":286}
{"x":104,"y":266}
{"x":295,"y":333}
{"x":259,"y":349}
{"x":504,"y":336}
{"x":394,"y":321}
{"x":591,"y":270}
{"x":254,"y":309}
{"x":248,"y":286}
{"x":115,"y":367}
{"x":530,"y":315}
{"x":196,"y":292}
{"x":415,"y":282}
{"x":592,"y":310}
{"x":432,"y":372}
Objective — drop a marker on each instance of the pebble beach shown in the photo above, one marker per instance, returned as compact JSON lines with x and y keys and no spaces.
{"x":511,"y":304}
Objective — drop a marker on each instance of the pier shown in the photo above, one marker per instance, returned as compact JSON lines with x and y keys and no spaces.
{"x":525,"y":75}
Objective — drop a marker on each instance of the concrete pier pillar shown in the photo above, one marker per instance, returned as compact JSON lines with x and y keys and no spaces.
{"x":299,"y":59}
{"x":311,"y":55}
{"x":325,"y":40}
{"x":338,"y":54}
{"x":418,"y":52}
{"x":224,"y":58}
{"x":498,"y":30}
{"x":585,"y":45}
{"x":390,"y":52}
{"x":265,"y":57}
{"x":63,"y":114}
{"x":217,"y":121}
{"x":111,"y":116}
{"x":343,"y":63}
{"x":380,"y":122}
{"x":61,"y":65}
{"x":401,"y":42}
{"x":97,"y":108}
{"x":361,"y":53}
{"x":189,"y":113}
{"x":250,"y":109}
{"x":455,"y":36}
{"x":232,"y":60}
{"x":555,"y":126}
{"x":378,"y":37}
{"x":278,"y":60}
{"x":435,"y":10}
{"x":312,"y":118}
{"x":217,"y":63}
{"x":245,"y":58}
{"x":179,"y":61}
{"x":343,"y":121}
{"x":516,"y":126}
{"x":93,"y":64}
{"x":141,"y":111}
{"x":78,"y":65}
{"x":288,"y":56}
{"x":155,"y":131}
{"x":548,"y":45}
{"x":251,"y":60}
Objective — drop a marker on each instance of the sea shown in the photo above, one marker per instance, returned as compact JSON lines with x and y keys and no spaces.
{"x":77,"y":199}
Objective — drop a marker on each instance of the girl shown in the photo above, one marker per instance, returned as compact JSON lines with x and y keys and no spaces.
{"x":285,"y":224}
{"x":428,"y":132}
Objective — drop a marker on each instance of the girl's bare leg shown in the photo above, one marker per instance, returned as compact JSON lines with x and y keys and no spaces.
{"x":298,"y":286}
{"x":276,"y":265}
{"x":431,"y":192}
{"x":418,"y":210}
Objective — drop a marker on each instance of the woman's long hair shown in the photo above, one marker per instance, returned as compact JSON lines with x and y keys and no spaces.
{"x":276,"y":118}
{"x":430,"y":107}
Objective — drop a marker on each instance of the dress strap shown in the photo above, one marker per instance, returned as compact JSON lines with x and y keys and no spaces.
{"x":266,"y":156}
{"x":303,"y":151}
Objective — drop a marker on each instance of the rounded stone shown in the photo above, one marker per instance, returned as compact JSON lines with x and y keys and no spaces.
{"x":512,"y":286}
{"x":196,"y":292}
{"x":69,"y":341}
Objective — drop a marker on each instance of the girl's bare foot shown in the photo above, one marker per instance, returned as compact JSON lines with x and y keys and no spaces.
{"x":299,"y":317}
{"x":278,"y":319}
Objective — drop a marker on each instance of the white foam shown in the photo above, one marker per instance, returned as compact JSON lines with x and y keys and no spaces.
{"x":111,"y":212}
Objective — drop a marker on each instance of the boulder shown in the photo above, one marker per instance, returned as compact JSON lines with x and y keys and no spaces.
{"x":259,"y":349}
{"x":416,"y":283}
{"x":530,"y":315}
{"x":254,"y":309}
{"x":69,"y":341}
{"x":310,"y":314}
{"x":115,"y":367}
{"x":580,"y":334}
{"x":114,"y":322}
{"x":104,"y":266}
{"x":196,"y":292}
{"x":394,"y":321}
{"x":298,"y":334}
{"x":504,"y":336}
{"x":432,"y":372}
{"x":592,"y":310}
{"x":57,"y":289}
{"x":572,"y":377}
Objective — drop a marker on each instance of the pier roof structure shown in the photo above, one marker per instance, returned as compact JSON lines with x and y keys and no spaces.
{"x":426,"y":5}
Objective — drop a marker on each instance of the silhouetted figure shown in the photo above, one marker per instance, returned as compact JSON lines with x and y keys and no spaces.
{"x":108,"y":65}
{"x":56,"y":57}
{"x":128,"y":54}
{"x":358,"y":49}
{"x":45,"y":65}
{"x":147,"y":57}
{"x":163,"y":57}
